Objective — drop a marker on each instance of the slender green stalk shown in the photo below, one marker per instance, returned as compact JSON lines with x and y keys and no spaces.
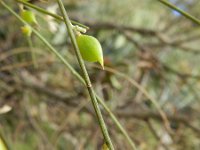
{"x":33,"y":57}
{"x":64,"y":61}
{"x":49,"y":13}
{"x":123,"y":131}
{"x":192,"y":18}
{"x":86,"y":77}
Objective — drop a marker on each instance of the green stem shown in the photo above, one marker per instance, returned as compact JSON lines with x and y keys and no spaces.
{"x":192,"y":18}
{"x":123,"y":131}
{"x":49,"y":13}
{"x":64,"y":61}
{"x":86,"y":77}
{"x":33,"y":57}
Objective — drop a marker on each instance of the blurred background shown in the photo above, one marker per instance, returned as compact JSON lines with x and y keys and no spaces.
{"x":47,"y":108}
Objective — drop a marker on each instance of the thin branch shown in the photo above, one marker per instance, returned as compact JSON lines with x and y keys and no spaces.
{"x":185,"y":14}
{"x":180,"y":74}
{"x":145,"y":115}
{"x":49,"y":13}
{"x":33,"y":55}
{"x":86,"y":77}
{"x":111,"y":26}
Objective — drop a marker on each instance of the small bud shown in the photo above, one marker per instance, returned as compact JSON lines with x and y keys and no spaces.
{"x":28,"y":16}
{"x":26,"y":30}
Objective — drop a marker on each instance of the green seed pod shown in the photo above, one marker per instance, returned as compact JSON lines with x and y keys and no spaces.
{"x":26,"y":30}
{"x":28,"y":16}
{"x":90,"y":49}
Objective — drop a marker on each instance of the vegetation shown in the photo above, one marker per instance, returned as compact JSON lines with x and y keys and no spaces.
{"x":142,"y":94}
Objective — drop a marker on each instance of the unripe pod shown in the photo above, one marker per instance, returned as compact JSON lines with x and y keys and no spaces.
{"x":28,"y":16}
{"x":26,"y":30}
{"x":90,"y":48}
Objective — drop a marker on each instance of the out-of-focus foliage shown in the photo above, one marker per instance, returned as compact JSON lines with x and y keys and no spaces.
{"x":145,"y":40}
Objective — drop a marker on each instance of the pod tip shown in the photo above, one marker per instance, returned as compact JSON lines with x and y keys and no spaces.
{"x":102,"y":64}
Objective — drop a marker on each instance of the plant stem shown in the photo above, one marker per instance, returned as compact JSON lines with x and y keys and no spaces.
{"x":123,"y":131}
{"x":192,"y":18}
{"x":49,"y":13}
{"x":86,"y":77}
{"x":74,"y":72}
{"x":33,"y":57}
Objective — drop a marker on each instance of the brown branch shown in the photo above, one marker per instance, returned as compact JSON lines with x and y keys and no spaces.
{"x":145,"y":115}
{"x":112,"y":26}
{"x":180,"y":74}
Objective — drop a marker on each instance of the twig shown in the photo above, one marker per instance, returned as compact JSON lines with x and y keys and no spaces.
{"x":185,"y":14}
{"x":111,"y":26}
{"x":49,"y":13}
{"x":33,"y":57}
{"x":86,"y":77}
{"x":24,"y":64}
{"x":180,"y":74}
{"x":145,"y":115}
